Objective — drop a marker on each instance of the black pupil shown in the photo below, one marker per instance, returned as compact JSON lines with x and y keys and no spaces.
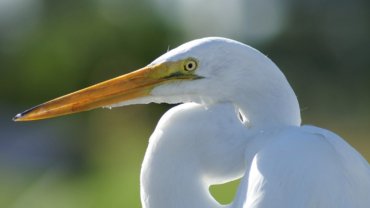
{"x":190,"y":65}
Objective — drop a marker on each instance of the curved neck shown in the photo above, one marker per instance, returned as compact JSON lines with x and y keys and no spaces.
{"x":272,"y":107}
{"x":166,"y":182}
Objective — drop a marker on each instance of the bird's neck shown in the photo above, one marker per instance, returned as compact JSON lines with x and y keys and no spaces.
{"x":171,"y":177}
{"x":166,"y":182}
{"x":277,"y":106}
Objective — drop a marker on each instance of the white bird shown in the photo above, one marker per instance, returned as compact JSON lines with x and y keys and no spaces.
{"x":240,"y":119}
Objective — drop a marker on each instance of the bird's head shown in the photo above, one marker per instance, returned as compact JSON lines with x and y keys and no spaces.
{"x":203,"y":70}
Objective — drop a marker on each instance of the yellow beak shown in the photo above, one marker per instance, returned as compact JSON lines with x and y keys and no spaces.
{"x":126,"y":87}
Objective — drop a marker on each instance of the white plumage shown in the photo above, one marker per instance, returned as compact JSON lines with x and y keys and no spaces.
{"x":240,"y":119}
{"x":282,"y":163}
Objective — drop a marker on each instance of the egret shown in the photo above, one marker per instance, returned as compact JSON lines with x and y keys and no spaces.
{"x":239,"y":118}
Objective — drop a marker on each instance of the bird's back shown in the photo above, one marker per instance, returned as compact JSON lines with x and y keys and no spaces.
{"x":305,"y":167}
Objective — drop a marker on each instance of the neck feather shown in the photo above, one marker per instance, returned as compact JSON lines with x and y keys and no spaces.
{"x":166,"y":182}
{"x":273,"y":106}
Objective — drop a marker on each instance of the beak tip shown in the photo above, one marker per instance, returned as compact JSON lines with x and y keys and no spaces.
{"x":24,"y":116}
{"x":18,"y":117}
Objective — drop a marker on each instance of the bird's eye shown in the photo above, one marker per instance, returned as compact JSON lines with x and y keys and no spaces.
{"x":190,"y":65}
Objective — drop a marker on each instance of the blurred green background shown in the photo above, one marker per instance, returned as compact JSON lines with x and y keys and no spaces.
{"x":91,"y":160}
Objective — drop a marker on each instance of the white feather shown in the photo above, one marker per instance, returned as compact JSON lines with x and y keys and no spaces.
{"x":203,"y":142}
